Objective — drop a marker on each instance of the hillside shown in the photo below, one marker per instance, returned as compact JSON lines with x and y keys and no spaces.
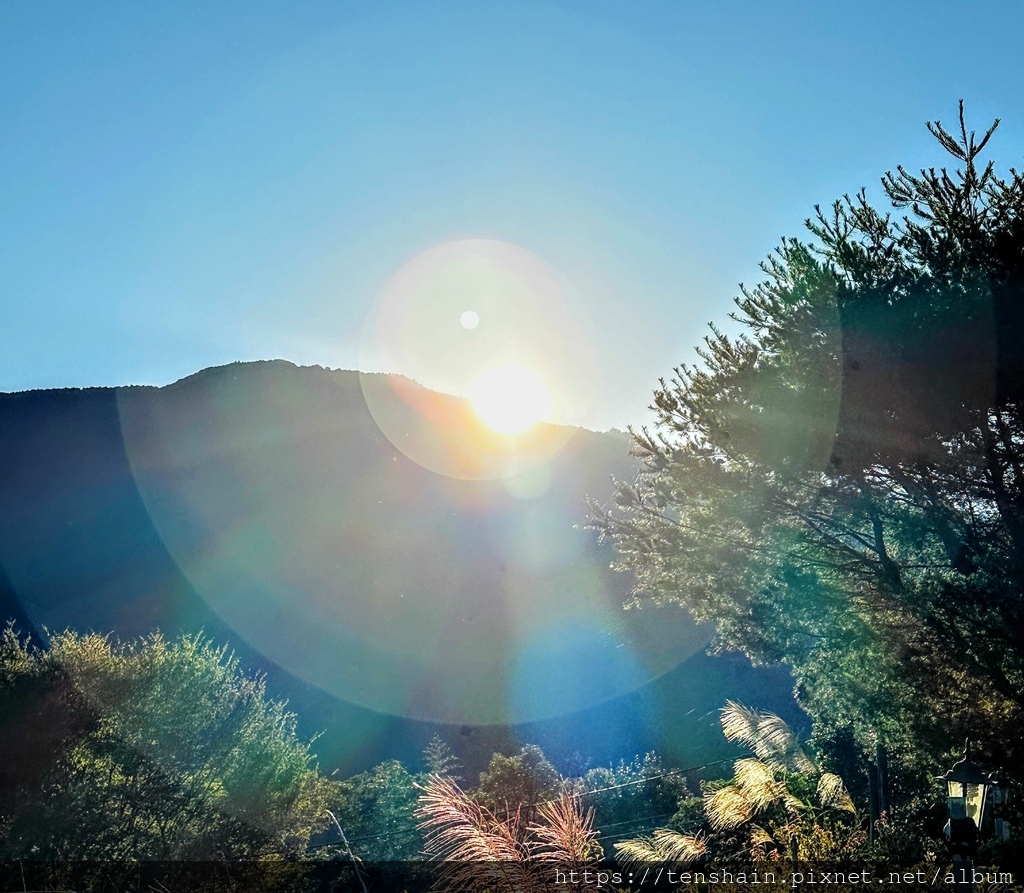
{"x":262,"y":503}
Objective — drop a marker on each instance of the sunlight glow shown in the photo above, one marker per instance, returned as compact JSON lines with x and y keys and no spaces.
{"x":440,"y":327}
{"x":509,"y":399}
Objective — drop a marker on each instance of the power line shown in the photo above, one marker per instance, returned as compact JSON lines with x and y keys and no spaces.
{"x":644,"y":780}
{"x":615,"y":787}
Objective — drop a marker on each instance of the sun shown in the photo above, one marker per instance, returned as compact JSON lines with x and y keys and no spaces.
{"x":509,"y":399}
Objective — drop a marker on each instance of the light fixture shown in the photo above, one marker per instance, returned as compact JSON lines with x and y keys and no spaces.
{"x":967,"y":788}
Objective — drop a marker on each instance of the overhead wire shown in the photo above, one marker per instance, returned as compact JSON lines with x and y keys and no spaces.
{"x":587,"y":793}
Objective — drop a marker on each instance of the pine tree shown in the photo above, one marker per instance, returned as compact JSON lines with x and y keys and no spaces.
{"x":440,"y":759}
{"x":841,"y":486}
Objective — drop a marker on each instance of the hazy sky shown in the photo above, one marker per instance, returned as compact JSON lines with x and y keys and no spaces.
{"x":187,"y":184}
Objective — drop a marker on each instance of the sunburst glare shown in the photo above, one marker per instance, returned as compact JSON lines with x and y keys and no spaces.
{"x":509,"y":399}
{"x":502,"y":332}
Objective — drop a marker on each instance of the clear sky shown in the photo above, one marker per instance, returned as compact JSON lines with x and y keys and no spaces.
{"x":184,"y":184}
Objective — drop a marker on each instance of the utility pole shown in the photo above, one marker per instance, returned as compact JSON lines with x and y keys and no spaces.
{"x":348,"y":849}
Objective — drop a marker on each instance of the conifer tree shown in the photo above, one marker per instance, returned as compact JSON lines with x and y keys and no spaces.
{"x":841,"y":485}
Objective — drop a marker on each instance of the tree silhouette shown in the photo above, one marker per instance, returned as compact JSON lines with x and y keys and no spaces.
{"x":841,"y":486}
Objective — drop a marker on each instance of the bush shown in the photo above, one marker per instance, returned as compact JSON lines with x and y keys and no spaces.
{"x":147,"y":750}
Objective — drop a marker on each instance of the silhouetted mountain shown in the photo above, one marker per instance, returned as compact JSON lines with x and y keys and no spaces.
{"x":433,"y":578}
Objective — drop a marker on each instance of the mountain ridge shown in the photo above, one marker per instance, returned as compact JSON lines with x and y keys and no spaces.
{"x":261,"y":503}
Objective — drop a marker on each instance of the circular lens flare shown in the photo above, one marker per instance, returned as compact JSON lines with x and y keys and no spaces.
{"x":469,"y":320}
{"x":509,"y":399}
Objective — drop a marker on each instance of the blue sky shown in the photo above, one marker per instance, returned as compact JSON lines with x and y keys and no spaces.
{"x":188,"y":184}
